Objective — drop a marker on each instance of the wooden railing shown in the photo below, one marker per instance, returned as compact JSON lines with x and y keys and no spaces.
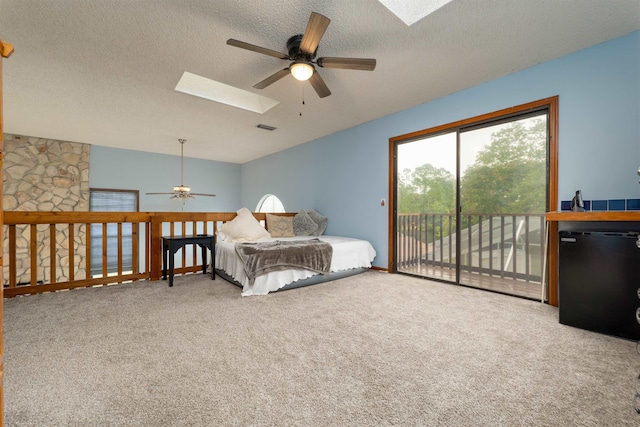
{"x":47,"y":237}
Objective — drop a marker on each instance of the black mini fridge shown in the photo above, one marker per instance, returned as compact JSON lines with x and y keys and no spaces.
{"x":599,"y":282}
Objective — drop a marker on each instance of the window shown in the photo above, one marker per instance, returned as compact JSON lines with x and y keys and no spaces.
{"x":270,"y":203}
{"x":102,"y":200}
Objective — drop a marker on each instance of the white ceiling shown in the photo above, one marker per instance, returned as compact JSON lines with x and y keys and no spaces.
{"x":104,"y":71}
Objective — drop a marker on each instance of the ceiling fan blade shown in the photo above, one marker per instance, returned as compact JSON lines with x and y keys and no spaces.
{"x":316,"y":27}
{"x":203,"y":194}
{"x":272,"y":79}
{"x":254,"y":48}
{"x":318,"y":84}
{"x":348,"y":63}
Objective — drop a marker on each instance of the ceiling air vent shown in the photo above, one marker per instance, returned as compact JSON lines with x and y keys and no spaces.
{"x":265,"y":127}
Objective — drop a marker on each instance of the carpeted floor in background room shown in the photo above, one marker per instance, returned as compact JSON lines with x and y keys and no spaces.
{"x":371,"y":350}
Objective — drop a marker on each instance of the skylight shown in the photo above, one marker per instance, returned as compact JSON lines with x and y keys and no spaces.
{"x":195,"y":85}
{"x":411,"y":11}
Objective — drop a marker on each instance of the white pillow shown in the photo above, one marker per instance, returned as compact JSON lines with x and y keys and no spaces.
{"x":243,"y":228}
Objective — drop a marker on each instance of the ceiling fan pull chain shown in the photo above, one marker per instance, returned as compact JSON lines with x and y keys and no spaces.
{"x":302,"y":90}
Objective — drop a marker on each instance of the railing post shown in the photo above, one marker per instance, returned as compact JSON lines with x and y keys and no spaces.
{"x":12,"y":256}
{"x":441,"y":218}
{"x":470,"y":243}
{"x":502,"y":261}
{"x":156,"y":247}
{"x":490,"y":245}
{"x":451,"y":252}
{"x":433,"y":239}
{"x":526,"y":249}
{"x":480,"y":244}
{"x":514,"y":246}
{"x":72,"y":252}
{"x":422,"y":249}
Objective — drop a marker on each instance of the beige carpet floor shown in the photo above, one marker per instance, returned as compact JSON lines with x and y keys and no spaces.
{"x":372,"y":350}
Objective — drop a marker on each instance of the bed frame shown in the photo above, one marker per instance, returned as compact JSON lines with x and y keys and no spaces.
{"x":313,"y":280}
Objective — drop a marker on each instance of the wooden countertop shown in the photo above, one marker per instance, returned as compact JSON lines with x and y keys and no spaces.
{"x":594,"y":216}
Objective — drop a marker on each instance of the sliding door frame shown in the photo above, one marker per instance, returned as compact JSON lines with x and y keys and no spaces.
{"x":551,"y":104}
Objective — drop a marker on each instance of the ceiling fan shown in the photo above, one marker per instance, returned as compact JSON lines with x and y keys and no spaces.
{"x":182,"y":192}
{"x":302,"y":50}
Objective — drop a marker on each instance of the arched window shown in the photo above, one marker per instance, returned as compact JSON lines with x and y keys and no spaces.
{"x":270,"y":203}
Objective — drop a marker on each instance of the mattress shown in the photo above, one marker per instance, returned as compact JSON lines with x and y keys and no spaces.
{"x":348,"y":253}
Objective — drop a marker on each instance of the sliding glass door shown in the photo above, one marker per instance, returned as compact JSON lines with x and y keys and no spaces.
{"x":503,"y":198}
{"x":426,"y":206}
{"x":470,"y":203}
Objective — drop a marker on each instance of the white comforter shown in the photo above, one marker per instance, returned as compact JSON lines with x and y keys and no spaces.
{"x":348,"y":253}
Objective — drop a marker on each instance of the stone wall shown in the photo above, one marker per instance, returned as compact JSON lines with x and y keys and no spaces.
{"x":45,"y":175}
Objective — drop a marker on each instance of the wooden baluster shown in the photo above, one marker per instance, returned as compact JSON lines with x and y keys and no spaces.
{"x":87,"y":227}
{"x":53,"y":255}
{"x":194,"y":247}
{"x":184,"y":250}
{"x":147,"y":250}
{"x":33,"y":254}
{"x":135,"y":247}
{"x":12,"y":256}
{"x":119,"y":249}
{"x":104,"y":250}
{"x":72,"y":253}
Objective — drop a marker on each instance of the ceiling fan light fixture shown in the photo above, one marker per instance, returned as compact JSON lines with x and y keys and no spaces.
{"x":182,"y":196}
{"x":183,"y":192}
{"x":301,"y":71}
{"x":302,"y":50}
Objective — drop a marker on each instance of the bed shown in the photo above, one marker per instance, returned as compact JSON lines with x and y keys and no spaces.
{"x":349,"y":256}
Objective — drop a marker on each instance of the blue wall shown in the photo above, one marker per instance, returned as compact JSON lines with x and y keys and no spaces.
{"x":345,"y":175}
{"x":149,"y":172}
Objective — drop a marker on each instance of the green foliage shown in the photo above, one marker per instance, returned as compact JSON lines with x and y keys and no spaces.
{"x":426,"y":189}
{"x":508,"y":176}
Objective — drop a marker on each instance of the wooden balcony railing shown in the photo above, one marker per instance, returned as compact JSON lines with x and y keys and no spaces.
{"x":55,"y":248}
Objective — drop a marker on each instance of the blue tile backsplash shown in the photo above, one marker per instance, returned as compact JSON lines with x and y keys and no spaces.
{"x":605,"y":205}
{"x":599,"y":205}
{"x":617,"y":205}
{"x":633,"y":204}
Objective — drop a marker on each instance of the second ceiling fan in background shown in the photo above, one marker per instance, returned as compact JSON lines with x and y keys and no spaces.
{"x":302,"y":54}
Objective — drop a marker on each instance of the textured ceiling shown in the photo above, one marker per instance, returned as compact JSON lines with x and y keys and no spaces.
{"x":103,"y":71}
